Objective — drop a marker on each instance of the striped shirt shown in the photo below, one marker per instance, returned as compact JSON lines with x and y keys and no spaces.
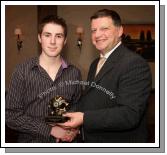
{"x":29,"y":93}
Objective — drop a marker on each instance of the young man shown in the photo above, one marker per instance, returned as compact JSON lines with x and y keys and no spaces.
{"x":113,"y":106}
{"x":35,"y":82}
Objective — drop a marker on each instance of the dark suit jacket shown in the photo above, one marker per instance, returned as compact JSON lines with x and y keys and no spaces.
{"x":114,"y":102}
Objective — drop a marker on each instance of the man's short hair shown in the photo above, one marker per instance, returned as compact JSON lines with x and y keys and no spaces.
{"x":52,"y":19}
{"x":108,"y":13}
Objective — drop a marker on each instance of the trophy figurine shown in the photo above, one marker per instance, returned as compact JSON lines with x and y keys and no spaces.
{"x":56,"y":108}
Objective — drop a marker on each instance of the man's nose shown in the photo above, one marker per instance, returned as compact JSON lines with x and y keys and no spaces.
{"x":53,"y":40}
{"x":98,"y":33}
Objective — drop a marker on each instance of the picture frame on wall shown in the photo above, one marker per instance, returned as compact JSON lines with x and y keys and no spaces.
{"x":140,"y":38}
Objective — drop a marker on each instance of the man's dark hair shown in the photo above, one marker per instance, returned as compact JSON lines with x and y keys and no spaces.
{"x":53,"y":19}
{"x":108,"y":13}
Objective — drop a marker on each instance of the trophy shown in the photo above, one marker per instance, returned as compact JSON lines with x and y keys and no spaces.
{"x":56,"y":108}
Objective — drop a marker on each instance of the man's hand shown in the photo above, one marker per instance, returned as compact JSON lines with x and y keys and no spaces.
{"x":62,"y":134}
{"x":75,"y":120}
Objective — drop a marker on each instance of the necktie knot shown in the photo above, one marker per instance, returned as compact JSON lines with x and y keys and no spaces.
{"x":100,"y":64}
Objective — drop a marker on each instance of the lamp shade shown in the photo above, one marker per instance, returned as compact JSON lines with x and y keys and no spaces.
{"x":17,"y":31}
{"x":79,"y":30}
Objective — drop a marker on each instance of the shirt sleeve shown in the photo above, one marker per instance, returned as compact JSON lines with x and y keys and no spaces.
{"x":15,"y":115}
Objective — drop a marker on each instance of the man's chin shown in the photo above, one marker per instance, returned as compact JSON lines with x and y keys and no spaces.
{"x":101,"y":49}
{"x":53,"y":54}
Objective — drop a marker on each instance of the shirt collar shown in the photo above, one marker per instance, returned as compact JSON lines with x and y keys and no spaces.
{"x":64,"y":64}
{"x":35,"y":63}
{"x":109,"y":53}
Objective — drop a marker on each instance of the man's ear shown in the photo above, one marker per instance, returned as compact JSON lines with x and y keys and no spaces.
{"x":39,"y":38}
{"x":65,"y":41}
{"x":120,"y":31}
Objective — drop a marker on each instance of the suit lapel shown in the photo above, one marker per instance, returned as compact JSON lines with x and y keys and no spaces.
{"x":108,"y":66}
{"x":93,"y":70}
{"x":91,"y":75}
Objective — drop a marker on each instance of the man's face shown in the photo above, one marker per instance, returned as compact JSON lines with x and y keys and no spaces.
{"x":105,"y":35}
{"x":52,"y":39}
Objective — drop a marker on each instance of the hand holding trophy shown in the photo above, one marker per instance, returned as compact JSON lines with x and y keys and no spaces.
{"x":56,"y":108}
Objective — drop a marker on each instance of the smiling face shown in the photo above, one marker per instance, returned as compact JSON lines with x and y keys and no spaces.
{"x":52,"y":39}
{"x":105,"y":35}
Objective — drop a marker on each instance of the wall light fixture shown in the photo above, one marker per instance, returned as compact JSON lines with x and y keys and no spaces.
{"x":79,"y":32}
{"x":19,"y":42}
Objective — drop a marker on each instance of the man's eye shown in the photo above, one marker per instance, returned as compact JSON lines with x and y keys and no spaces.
{"x":104,"y":28}
{"x":93,"y":31}
{"x":46,"y":35}
{"x":59,"y":36}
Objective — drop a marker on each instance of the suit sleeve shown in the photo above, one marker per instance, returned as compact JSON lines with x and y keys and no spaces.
{"x":134,"y":86}
{"x":78,"y":91}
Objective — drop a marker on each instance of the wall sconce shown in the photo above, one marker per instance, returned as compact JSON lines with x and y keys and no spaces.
{"x":18,"y":33}
{"x":80,"y":32}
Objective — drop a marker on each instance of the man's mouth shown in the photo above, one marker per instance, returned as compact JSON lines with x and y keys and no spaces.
{"x":52,"y":48}
{"x":100,"y":40}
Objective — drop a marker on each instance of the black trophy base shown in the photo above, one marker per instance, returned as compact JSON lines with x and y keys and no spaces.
{"x":55,"y":119}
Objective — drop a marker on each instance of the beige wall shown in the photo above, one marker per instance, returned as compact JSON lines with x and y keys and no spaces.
{"x":80,"y":15}
{"x":24,"y":17}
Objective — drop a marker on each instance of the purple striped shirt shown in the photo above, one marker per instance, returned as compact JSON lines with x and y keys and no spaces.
{"x":29,"y":93}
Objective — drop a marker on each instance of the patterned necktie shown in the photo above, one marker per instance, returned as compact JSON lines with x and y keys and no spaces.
{"x":100,"y":64}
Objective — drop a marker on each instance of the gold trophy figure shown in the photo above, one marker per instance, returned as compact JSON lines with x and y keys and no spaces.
{"x":56,"y":108}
